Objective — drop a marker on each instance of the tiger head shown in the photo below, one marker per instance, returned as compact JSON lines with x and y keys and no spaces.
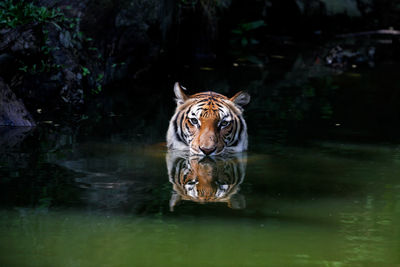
{"x":204,"y":179}
{"x":208,"y":123}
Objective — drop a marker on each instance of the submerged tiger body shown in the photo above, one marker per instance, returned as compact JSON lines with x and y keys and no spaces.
{"x":208,"y":123}
{"x":206,"y":180}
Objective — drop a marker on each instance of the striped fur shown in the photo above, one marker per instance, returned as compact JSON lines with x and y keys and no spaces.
{"x":208,"y":123}
{"x":204,"y":179}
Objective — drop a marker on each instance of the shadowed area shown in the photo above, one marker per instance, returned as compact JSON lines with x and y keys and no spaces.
{"x":316,"y":182}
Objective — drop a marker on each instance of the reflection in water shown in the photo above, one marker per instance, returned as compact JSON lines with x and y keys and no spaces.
{"x":205,"y":179}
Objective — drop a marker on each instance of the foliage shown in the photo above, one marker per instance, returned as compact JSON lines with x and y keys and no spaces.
{"x":15,"y":13}
{"x":205,"y":4}
{"x":85,"y":71}
{"x":244,"y":33}
{"x":48,"y":22}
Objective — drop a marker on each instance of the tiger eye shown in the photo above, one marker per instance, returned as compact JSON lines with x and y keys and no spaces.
{"x":224,"y":123}
{"x":192,"y":182}
{"x":194,"y":121}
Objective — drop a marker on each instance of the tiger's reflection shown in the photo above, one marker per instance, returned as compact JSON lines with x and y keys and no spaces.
{"x":205,"y":179}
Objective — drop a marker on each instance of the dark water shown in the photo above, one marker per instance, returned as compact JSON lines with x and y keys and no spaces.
{"x":115,"y":202}
{"x":319,"y":185}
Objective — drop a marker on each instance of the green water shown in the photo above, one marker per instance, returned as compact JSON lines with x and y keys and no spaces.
{"x":107,"y":203}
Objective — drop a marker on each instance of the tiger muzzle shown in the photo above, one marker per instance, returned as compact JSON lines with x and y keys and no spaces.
{"x":208,"y":141}
{"x":208,"y":151}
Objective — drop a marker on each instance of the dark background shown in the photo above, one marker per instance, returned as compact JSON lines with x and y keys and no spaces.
{"x":313,"y":68}
{"x":97,"y":78}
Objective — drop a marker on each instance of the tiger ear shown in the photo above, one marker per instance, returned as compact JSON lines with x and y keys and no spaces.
{"x":241,"y":98}
{"x":237,"y":202}
{"x":181,"y":97}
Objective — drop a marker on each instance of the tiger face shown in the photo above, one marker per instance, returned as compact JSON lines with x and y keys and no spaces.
{"x":208,"y":123}
{"x":204,"y":179}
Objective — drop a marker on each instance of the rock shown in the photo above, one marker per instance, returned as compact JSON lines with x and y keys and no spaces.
{"x":12,"y":137}
{"x":12,"y":110}
{"x":21,"y":40}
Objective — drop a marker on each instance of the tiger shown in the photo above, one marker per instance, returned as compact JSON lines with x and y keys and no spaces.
{"x":208,"y":123}
{"x":204,"y":179}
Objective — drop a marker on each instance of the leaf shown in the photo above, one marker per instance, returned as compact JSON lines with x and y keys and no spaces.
{"x":237,"y":31}
{"x":24,"y":68}
{"x":100,"y":77}
{"x":85,"y":70}
{"x":253,"y":25}
{"x":57,"y":26}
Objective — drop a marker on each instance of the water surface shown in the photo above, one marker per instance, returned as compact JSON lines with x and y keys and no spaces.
{"x":108,"y":202}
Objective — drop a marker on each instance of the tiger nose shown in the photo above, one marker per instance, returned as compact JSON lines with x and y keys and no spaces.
{"x":207,"y":151}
